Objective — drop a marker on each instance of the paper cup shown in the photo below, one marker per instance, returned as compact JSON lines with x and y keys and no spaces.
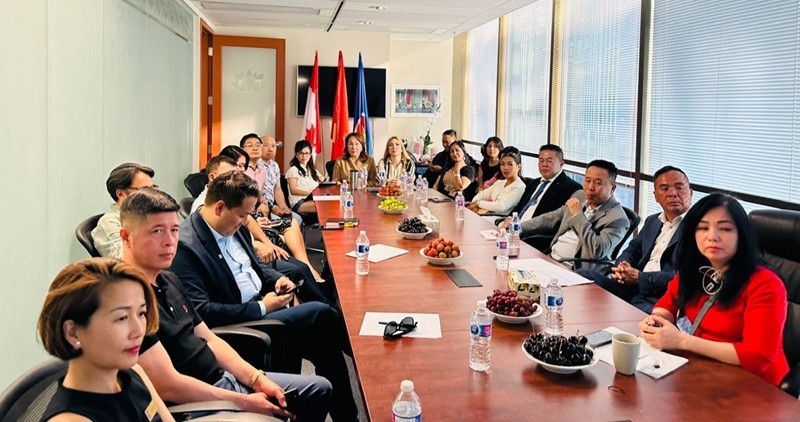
{"x":625,"y":351}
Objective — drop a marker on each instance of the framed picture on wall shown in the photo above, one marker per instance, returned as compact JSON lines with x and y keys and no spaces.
{"x":415,"y":100}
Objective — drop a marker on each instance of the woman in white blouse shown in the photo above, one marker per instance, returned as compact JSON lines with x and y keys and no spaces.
{"x":302,"y":178}
{"x":501,"y":197}
{"x":396,"y":160}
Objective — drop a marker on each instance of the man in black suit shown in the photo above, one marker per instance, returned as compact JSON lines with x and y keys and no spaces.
{"x":546,"y":193}
{"x":646,"y":266}
{"x":218,"y":268}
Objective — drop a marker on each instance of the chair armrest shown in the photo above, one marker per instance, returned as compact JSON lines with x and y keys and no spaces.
{"x":791,"y":382}
{"x":602,"y":266}
{"x":283,"y":357}
{"x":220,"y":411}
{"x":253,"y":346}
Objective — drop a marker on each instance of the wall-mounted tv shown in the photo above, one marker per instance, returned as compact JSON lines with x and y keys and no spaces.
{"x":374,"y":82}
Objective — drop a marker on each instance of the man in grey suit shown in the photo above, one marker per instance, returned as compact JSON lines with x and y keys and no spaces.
{"x":590,"y":228}
{"x":645,"y":267}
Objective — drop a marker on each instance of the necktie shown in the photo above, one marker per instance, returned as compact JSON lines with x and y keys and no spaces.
{"x":528,"y":212}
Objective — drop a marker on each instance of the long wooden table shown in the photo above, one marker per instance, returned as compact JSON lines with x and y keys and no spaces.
{"x":515,"y":388}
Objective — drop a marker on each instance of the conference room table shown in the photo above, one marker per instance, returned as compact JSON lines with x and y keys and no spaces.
{"x":515,"y":388}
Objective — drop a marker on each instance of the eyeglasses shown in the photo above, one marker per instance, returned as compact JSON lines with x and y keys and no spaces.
{"x":395,"y":330}
{"x":252,"y":144}
{"x":143,"y":187}
{"x":303,"y":153}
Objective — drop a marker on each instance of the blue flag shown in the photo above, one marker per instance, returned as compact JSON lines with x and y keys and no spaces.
{"x":361,"y":115}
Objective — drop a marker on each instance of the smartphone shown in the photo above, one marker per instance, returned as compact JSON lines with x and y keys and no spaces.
{"x":598,"y":338}
{"x":293,"y":289}
{"x":291,"y":399}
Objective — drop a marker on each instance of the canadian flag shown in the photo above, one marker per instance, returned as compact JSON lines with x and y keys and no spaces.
{"x":311,"y":119}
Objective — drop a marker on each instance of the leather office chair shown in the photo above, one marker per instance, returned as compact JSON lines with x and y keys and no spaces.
{"x":779,"y":237}
{"x":84,"y":234}
{"x":195,"y":183}
{"x":186,"y":207}
{"x":26,"y":399}
{"x":329,"y":168}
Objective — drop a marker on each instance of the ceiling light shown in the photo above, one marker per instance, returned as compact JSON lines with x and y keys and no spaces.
{"x":364,"y":22}
{"x":378,"y":7}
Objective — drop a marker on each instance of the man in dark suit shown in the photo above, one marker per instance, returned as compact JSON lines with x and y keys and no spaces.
{"x":546,"y":193}
{"x":438,"y":161}
{"x":218,"y":268}
{"x":645,"y":267}
{"x":585,"y":229}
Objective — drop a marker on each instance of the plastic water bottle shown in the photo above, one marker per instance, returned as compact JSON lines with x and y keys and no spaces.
{"x":501,"y":260}
{"x":362,"y":254}
{"x":409,"y":185}
{"x":459,"y":206}
{"x":407,"y":407}
{"x":343,"y":190}
{"x":382,"y":178}
{"x":348,"y":205}
{"x":480,"y":352}
{"x":422,"y":190}
{"x":514,"y":229}
{"x":554,"y":322}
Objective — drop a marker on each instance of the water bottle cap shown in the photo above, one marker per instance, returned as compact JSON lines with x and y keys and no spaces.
{"x":363,"y":232}
{"x":407,"y":386}
{"x":482,"y":303}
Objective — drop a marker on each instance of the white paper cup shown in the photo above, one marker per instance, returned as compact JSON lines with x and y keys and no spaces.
{"x":625,"y":351}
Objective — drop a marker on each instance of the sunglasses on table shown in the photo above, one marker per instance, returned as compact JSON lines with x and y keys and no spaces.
{"x":395,"y":330}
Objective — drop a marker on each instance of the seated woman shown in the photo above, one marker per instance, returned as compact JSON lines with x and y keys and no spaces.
{"x":302,"y":178}
{"x":457,"y":174}
{"x":719,"y":270}
{"x":396,"y":160}
{"x":489,"y":170}
{"x":95,"y":317}
{"x":355,"y":158}
{"x":502,"y":196}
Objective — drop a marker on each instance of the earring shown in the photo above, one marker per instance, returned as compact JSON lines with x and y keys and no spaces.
{"x":77,"y":345}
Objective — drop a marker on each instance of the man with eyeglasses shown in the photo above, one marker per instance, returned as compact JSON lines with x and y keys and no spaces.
{"x":125,"y":179}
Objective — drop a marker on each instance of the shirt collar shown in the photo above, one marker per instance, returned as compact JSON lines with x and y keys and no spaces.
{"x":663,"y":218}
{"x":554,"y":177}
{"x":217,"y":237}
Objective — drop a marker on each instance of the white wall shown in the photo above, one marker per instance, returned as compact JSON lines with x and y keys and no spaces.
{"x":407,"y":62}
{"x":87,"y":84}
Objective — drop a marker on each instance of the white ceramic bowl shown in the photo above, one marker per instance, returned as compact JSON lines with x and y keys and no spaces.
{"x":518,"y":320}
{"x":415,"y":236}
{"x":439,"y":261}
{"x":393,"y":211}
{"x":560,"y":369}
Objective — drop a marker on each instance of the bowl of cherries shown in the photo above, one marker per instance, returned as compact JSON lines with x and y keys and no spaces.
{"x":413,"y":228}
{"x":559,"y":354}
{"x":510,"y":308}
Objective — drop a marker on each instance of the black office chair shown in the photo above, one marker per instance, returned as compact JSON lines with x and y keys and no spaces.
{"x":329,"y":168}
{"x":186,"y":207}
{"x":26,"y":399}
{"x":196,"y":182}
{"x":84,"y":234}
{"x":778,"y":234}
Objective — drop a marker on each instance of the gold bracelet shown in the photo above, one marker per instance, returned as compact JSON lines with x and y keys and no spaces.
{"x":254,"y":378}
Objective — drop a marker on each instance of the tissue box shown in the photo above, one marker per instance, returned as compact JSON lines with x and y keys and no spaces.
{"x":524,"y":282}
{"x":430,"y":221}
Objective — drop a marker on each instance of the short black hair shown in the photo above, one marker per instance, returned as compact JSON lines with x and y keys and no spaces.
{"x":248,"y":136}
{"x":144,"y":202}
{"x":666,"y":169}
{"x":451,"y":132}
{"x":552,"y":147}
{"x":232,"y":188}
{"x":607,"y":166}
{"x":213,"y":164}
{"x":122,"y":177}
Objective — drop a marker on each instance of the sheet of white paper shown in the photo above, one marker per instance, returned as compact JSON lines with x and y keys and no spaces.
{"x":489,"y":234}
{"x":649,"y":358}
{"x":546,"y":270}
{"x":379,"y":252}
{"x":428,"y":325}
{"x":326,"y":198}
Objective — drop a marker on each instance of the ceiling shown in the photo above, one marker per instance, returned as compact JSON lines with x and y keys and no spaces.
{"x":420,"y":20}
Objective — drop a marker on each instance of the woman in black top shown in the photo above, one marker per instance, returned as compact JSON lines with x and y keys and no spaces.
{"x":458,"y":173}
{"x":489,"y":170}
{"x":95,"y":316}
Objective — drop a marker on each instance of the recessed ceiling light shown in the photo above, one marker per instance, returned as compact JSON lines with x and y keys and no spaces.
{"x":378,"y":7}
{"x":364,"y":22}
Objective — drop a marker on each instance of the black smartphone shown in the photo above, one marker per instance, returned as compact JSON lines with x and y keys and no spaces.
{"x":598,"y":338}
{"x":293,"y":289}
{"x":291,"y":399}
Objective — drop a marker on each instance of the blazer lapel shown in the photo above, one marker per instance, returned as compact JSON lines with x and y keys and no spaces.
{"x":205,"y":236}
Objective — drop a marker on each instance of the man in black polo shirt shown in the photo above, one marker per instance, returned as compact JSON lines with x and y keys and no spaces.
{"x":185,"y":360}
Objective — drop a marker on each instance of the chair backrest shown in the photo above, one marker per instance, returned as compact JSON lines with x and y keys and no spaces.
{"x":634,"y":219}
{"x":195,"y":183}
{"x":329,"y":168}
{"x":84,"y":234}
{"x":27,"y":397}
{"x":186,"y":207}
{"x":779,"y":237}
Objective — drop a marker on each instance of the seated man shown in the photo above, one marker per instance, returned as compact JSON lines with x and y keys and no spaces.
{"x":437,"y":163}
{"x":218,"y":268}
{"x":648,"y":263}
{"x":184,"y":359}
{"x":590,"y":229}
{"x":125,"y":179}
{"x":266,"y":172}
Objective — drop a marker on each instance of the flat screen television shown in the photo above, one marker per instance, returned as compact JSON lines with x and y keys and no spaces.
{"x":374,"y":82}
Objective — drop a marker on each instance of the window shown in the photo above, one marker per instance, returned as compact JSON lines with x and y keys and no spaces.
{"x":527,"y":82}
{"x":723,"y":95}
{"x":599,"y":66}
{"x":482,"y":81}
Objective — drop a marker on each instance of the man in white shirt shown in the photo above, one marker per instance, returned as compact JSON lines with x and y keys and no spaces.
{"x":645,"y":267}
{"x":589,"y":229}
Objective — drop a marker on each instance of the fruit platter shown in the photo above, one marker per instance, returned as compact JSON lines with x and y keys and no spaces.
{"x":413,"y":228}
{"x":441,"y":251}
{"x":559,"y":354}
{"x":393,"y":206}
{"x":511,"y":308}
{"x":393,"y":187}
